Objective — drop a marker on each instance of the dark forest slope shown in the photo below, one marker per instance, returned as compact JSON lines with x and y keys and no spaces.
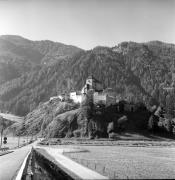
{"x":19,"y":55}
{"x":135,"y":70}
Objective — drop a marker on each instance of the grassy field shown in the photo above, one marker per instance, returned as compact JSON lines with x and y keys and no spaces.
{"x":134,"y":158}
{"x":129,"y":162}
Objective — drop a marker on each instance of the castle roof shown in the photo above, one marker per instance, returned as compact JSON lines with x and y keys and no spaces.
{"x":92,"y":77}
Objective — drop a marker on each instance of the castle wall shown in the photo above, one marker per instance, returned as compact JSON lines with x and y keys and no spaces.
{"x":98,"y":87}
{"x":110,"y":100}
{"x":77,"y":98}
{"x":104,"y":98}
{"x":99,"y":98}
{"x":130,"y":107}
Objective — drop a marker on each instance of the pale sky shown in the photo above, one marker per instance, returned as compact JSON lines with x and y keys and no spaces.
{"x":89,"y":23}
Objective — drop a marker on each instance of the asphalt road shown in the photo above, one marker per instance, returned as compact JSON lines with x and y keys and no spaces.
{"x":12,"y":117}
{"x":11,"y":163}
{"x":12,"y":142}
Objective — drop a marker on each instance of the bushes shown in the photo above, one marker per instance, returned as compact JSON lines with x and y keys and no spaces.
{"x":168,"y":125}
{"x":161,"y":125}
{"x":113,"y":135}
{"x":151,"y":123}
{"x":110,"y":127}
{"x":77,"y":133}
{"x":69,"y":134}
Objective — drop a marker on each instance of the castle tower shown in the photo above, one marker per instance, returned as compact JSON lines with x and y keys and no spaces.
{"x":92,"y":84}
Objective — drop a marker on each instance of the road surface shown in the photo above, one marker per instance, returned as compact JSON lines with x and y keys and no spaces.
{"x":11,"y":163}
{"x":12,"y":142}
{"x":12,"y":117}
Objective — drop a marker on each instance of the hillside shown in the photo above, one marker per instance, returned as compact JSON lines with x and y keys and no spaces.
{"x":19,"y":55}
{"x":134,"y":70}
{"x":66,"y":119}
{"x":38,"y":120}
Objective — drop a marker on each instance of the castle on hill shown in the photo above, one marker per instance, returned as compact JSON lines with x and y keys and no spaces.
{"x":100,"y":95}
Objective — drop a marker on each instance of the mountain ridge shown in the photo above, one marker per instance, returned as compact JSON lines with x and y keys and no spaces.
{"x":132,"y":69}
{"x":22,"y":55}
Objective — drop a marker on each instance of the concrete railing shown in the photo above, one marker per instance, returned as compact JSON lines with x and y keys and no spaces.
{"x":4,"y":149}
{"x":48,"y":165}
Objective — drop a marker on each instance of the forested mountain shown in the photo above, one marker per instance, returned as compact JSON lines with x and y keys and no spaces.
{"x":19,"y":55}
{"x":134,"y":70}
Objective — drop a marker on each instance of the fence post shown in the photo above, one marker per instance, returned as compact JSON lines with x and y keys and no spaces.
{"x":114,"y":174}
{"x":33,"y":165}
{"x":1,"y":136}
{"x":103,"y":169}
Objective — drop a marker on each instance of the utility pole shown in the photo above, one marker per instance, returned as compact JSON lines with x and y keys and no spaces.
{"x":18,"y":140}
{"x":1,"y":136}
{"x":27,"y":138}
{"x":2,"y":123}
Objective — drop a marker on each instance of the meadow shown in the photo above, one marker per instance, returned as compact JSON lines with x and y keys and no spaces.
{"x":151,"y":162}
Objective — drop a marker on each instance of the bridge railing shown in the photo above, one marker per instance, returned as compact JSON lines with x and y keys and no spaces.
{"x":4,"y":149}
